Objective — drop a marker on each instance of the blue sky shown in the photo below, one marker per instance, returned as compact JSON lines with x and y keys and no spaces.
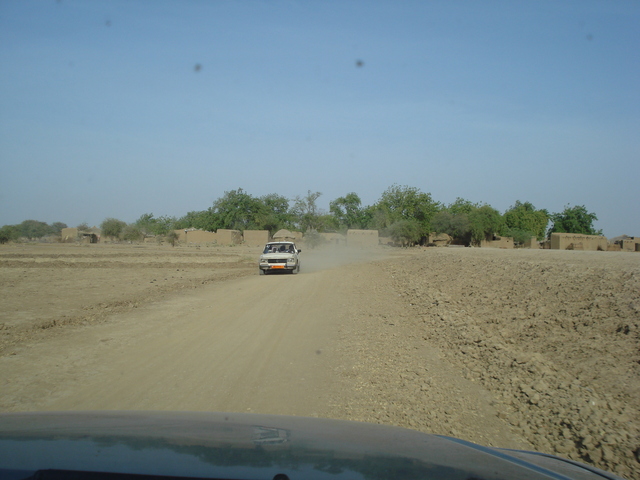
{"x":119,"y":108}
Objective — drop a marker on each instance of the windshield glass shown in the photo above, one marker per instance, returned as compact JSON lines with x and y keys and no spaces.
{"x":279,"y":248}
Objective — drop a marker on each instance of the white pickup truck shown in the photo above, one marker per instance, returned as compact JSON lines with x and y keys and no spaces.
{"x":280,"y":257}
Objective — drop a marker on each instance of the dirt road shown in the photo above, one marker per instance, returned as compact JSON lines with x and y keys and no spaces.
{"x":260,"y":344}
{"x":488,"y":346}
{"x":281,"y":344}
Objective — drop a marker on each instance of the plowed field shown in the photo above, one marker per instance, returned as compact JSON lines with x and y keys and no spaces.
{"x":510,"y":348}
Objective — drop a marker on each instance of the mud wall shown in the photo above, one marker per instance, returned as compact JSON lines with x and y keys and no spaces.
{"x":532,"y":243}
{"x":69,"y":235}
{"x":256,"y":237}
{"x":498,"y":242}
{"x":631,"y":244}
{"x":196,"y":236}
{"x":573,"y":241}
{"x":228,"y":237}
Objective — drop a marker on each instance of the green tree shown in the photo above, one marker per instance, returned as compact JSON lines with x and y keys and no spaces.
{"x":34,"y":229}
{"x":523,"y":221}
{"x":276,"y":214}
{"x":145,"y":222}
{"x":485,"y":221}
{"x":83,"y":227}
{"x":405,"y":232}
{"x":455,"y":225}
{"x":164,"y":225}
{"x":9,"y":233}
{"x":454,"y":220}
{"x":203,"y":220}
{"x":238,"y":210}
{"x":327,"y":223}
{"x":574,"y":220}
{"x":132,"y":233}
{"x":112,"y":227}
{"x":305,"y":211}
{"x":348,"y":212}
{"x":462,"y":206}
{"x":405,"y":203}
{"x":57,"y":227}
{"x":150,"y":225}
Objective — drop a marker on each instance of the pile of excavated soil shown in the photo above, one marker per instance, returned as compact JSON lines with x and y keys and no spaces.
{"x":549,"y":339}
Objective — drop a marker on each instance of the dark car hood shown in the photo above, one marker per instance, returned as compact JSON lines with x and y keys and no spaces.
{"x":249,"y":446}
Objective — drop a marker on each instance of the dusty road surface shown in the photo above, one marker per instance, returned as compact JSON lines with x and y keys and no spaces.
{"x":241,"y":342}
{"x":519,"y":349}
{"x":249,"y":344}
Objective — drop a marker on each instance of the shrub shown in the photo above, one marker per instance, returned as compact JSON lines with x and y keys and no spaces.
{"x":112,"y":227}
{"x":132,"y":233}
{"x":172,"y":237}
{"x":9,"y":233}
{"x":405,"y":232}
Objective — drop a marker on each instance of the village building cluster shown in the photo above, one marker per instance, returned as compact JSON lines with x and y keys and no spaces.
{"x":371,"y":238}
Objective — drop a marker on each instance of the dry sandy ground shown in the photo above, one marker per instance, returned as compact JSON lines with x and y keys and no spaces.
{"x":519,"y":349}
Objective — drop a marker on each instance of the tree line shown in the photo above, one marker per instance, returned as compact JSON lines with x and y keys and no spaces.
{"x":30,"y":229}
{"x":404,"y":213}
